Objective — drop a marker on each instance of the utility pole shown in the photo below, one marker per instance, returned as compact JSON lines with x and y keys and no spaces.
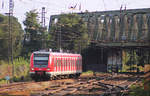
{"x":11,"y":5}
{"x":43,"y":27}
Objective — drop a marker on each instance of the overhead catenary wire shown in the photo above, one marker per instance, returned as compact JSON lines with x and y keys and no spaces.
{"x":42,"y":2}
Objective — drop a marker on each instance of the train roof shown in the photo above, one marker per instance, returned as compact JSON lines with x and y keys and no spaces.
{"x":54,"y":53}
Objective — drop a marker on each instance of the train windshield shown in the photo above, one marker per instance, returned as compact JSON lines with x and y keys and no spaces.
{"x":41,"y":60}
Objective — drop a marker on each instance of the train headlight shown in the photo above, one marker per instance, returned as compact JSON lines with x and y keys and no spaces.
{"x":32,"y":69}
{"x":48,"y":69}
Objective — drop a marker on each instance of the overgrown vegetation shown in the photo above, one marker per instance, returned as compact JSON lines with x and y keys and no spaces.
{"x":21,"y":70}
{"x":138,"y":90}
{"x":134,"y":60}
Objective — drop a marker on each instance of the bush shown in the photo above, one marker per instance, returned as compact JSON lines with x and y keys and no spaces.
{"x":137,"y":90}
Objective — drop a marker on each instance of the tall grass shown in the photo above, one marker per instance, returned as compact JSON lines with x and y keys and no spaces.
{"x":21,"y":69}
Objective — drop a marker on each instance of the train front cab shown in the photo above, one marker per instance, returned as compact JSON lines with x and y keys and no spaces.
{"x":40,"y":66}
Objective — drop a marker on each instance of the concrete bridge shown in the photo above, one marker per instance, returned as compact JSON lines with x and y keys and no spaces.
{"x":118,"y":28}
{"x":119,"y":38}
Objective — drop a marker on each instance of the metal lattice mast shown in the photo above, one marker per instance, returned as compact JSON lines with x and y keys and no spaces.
{"x":11,"y":5}
{"x":43,"y":27}
{"x":43,"y":17}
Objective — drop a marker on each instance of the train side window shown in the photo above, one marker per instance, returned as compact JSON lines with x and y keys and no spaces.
{"x":57,"y":63}
{"x":70,"y":61}
{"x":67,"y":64}
{"x":60,"y":63}
{"x":54,"y":62}
{"x":76,"y":63}
{"x":73,"y":62}
{"x":64,"y":63}
{"x":62,"y":60}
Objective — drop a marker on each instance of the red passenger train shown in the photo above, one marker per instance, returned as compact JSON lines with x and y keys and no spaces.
{"x":51,"y":65}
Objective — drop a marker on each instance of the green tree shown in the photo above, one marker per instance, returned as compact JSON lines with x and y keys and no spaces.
{"x":69,"y":32}
{"x":17,"y":34}
{"x":34,"y":32}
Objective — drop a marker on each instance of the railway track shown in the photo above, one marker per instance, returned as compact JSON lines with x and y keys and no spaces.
{"x":95,"y":85}
{"x":121,"y":88}
{"x":4,"y":88}
{"x":30,"y":86}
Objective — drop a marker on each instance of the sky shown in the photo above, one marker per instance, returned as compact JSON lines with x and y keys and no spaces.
{"x":54,"y":7}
